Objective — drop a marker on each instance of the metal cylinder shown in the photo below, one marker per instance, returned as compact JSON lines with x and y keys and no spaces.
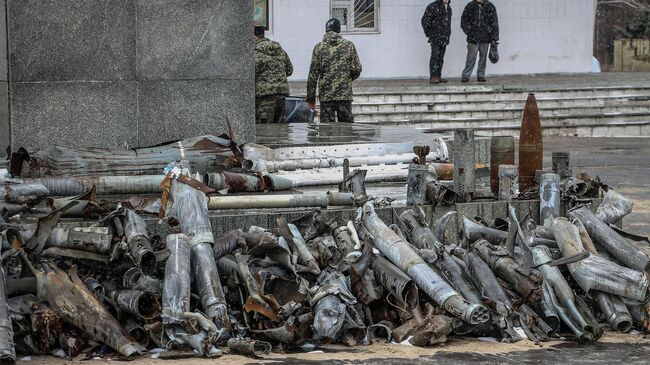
{"x":614,"y":312}
{"x":549,"y":197}
{"x":176,"y":286}
{"x":137,"y":239}
{"x":402,"y":255}
{"x":624,"y":251}
{"x":614,"y":207}
{"x":531,"y":147}
{"x":502,"y":152}
{"x":281,"y":201}
{"x":561,"y":164}
{"x":7,"y":350}
{"x":508,"y":181}
{"x":416,"y":191}
{"x":134,"y":278}
{"x":143,"y":304}
{"x":464,"y":162}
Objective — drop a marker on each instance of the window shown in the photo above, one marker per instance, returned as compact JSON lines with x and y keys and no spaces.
{"x":357,"y":15}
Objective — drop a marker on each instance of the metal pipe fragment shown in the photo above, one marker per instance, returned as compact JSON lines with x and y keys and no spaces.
{"x":380,"y":332}
{"x":423,"y":237}
{"x":464,"y":161}
{"x":135,"y":279}
{"x":75,"y":303}
{"x":280,"y":201}
{"x":531,"y":147}
{"x":176,"y":315}
{"x":416,"y":190}
{"x":105,"y":185}
{"x":135,"y":330}
{"x":614,"y":311}
{"x":140,"y":303}
{"x":7,"y":350}
{"x":509,"y":270}
{"x":204,"y":153}
{"x":395,"y":281}
{"x":401,"y":255}
{"x":508,"y":182}
{"x":549,"y":198}
{"x":502,"y":152}
{"x":89,"y":239}
{"x":624,"y":251}
{"x":596,"y":272}
{"x":614,"y":207}
{"x":473,"y":231}
{"x":137,"y":239}
{"x":570,"y":308}
{"x":254,"y":348}
{"x":192,"y":210}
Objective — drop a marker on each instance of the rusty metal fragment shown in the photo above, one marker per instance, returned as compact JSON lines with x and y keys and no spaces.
{"x":502,"y":152}
{"x":79,"y":307}
{"x":254,"y":348}
{"x":531,"y":147}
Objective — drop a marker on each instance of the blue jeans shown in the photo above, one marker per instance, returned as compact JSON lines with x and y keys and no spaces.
{"x":472,"y":50}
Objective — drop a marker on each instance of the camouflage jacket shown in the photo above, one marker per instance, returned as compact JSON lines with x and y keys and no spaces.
{"x":272,"y":67}
{"x":334,"y":65}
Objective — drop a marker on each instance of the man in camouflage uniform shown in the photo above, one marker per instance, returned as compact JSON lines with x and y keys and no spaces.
{"x":272,"y":67}
{"x":334,"y":65}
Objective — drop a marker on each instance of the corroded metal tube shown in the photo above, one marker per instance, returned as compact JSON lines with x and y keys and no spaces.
{"x":502,"y":152}
{"x":77,"y":305}
{"x":137,"y":239}
{"x":464,"y":161}
{"x":531,"y":147}
{"x":401,"y":255}
{"x":561,"y":164}
{"x":281,"y":201}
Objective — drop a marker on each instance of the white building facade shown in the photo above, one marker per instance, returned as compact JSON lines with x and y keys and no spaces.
{"x":536,"y":36}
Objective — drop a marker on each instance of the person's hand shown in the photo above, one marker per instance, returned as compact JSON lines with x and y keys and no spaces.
{"x":312,"y":105}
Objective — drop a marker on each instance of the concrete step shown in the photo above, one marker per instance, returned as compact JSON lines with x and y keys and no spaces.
{"x":549,"y":107}
{"x":566,"y":113}
{"x":566,"y":121}
{"x":424,"y":96}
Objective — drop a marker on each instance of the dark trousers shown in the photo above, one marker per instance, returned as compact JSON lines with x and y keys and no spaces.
{"x":437,"y":59}
{"x":472,"y":50}
{"x":330,"y":110}
{"x":269,"y":109}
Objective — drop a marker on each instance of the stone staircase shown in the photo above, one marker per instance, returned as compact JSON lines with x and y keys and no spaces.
{"x":571,"y":106}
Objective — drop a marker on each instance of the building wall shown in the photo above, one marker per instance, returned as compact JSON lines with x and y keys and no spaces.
{"x":126,"y":73}
{"x":632,"y":55}
{"x":536,"y":37}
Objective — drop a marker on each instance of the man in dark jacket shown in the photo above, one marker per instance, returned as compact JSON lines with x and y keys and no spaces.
{"x":272,"y":67}
{"x":436,"y":23}
{"x":334,"y":65}
{"x":481,"y":25}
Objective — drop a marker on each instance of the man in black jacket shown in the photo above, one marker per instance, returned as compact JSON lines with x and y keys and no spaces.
{"x":436,"y":23}
{"x":481,"y":25}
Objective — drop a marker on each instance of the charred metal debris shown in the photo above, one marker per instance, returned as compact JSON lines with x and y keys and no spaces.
{"x":90,"y":276}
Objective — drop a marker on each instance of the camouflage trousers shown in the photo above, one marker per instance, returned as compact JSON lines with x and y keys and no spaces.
{"x":269,"y":109}
{"x":330,"y":110}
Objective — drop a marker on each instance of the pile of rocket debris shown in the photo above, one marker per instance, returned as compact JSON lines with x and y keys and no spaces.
{"x":105,"y":255}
